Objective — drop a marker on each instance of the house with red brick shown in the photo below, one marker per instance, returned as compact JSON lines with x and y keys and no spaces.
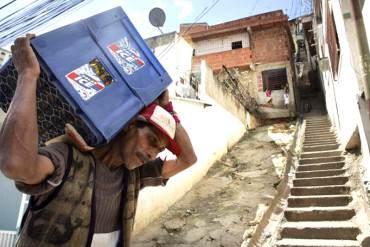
{"x":258,"y":50}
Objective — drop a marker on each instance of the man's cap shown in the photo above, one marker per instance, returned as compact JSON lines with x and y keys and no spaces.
{"x":164,"y":122}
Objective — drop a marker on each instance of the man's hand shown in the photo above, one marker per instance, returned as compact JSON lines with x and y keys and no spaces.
{"x":24,"y":58}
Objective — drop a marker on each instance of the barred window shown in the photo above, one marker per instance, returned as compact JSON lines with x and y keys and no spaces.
{"x":274,"y":79}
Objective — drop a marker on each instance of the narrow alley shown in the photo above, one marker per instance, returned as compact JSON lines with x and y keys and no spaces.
{"x":230,"y":199}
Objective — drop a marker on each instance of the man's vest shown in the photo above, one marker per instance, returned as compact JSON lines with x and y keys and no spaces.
{"x":66,"y":217}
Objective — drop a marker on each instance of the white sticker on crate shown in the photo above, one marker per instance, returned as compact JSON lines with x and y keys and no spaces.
{"x":126,"y":56}
{"x":85,"y":81}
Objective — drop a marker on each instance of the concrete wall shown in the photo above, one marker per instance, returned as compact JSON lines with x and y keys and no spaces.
{"x":341,"y":93}
{"x":212,"y":130}
{"x":366,"y":16}
{"x":211,"y":89}
{"x":277,"y":95}
{"x":220,"y":44}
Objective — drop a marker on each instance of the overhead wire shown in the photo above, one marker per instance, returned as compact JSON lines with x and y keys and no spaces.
{"x":7,"y":4}
{"x":33,"y":16}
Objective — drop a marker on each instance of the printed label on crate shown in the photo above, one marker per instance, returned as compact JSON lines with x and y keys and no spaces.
{"x":86,"y":81}
{"x":127,"y":57}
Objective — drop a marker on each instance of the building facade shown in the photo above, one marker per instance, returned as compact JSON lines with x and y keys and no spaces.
{"x":175,"y":54}
{"x":342,"y":34}
{"x":261,"y":49}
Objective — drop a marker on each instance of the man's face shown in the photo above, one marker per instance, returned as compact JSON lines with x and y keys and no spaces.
{"x":142,"y":144}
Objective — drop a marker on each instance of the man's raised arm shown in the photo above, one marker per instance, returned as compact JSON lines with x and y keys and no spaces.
{"x":19,"y":159}
{"x":187,"y":157}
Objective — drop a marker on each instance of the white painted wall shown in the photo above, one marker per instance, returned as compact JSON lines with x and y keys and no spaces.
{"x":212,"y":131}
{"x":220,"y":44}
{"x":176,"y":60}
{"x":341,"y":94}
{"x":366,"y":16}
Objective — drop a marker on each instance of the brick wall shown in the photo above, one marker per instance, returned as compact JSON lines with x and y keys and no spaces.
{"x":270,"y":45}
{"x":233,"y":58}
{"x":197,"y":27}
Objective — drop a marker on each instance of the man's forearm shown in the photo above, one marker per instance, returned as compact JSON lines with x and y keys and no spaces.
{"x":19,"y":136}
{"x":187,"y":157}
{"x":187,"y":151}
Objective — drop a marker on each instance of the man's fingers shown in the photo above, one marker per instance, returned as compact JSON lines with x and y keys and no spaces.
{"x":30,"y":35}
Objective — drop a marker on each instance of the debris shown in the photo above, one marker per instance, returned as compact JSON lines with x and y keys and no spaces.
{"x":174,"y":225}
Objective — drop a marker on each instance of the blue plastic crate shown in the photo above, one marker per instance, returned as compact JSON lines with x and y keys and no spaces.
{"x":97,"y":74}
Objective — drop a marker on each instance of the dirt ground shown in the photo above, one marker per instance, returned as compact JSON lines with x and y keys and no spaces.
{"x":223,"y":206}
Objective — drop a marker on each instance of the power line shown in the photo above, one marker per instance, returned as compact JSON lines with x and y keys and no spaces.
{"x":202,"y":14}
{"x":34,"y":16}
{"x":7,"y":4}
{"x":291,"y":7}
{"x":254,"y":7}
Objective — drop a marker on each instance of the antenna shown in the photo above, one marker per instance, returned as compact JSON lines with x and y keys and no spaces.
{"x":157,"y":17}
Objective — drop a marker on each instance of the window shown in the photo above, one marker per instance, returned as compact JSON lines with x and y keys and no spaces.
{"x":333,"y":44}
{"x":236,"y":45}
{"x":274,"y":79}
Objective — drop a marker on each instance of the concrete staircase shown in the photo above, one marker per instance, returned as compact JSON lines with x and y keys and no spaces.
{"x":319,"y":213}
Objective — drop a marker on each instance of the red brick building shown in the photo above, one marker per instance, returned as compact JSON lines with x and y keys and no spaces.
{"x":260,"y":44}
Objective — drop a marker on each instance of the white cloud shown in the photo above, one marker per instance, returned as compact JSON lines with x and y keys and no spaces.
{"x":186,"y":7}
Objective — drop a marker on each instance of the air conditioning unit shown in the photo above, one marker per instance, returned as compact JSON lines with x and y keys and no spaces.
{"x":324,"y":64}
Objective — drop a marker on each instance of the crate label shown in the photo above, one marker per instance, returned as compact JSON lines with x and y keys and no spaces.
{"x":86,"y":81}
{"x":126,"y":56}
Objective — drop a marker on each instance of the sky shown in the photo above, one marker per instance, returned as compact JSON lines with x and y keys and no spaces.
{"x":177,"y":11}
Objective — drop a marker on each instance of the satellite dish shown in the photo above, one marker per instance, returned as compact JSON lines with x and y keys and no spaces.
{"x":157,"y":17}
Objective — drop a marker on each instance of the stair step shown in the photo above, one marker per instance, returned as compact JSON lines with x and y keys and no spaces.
{"x":318,"y":130}
{"x":320,"y":230}
{"x":320,"y":148}
{"x":321,"y":166}
{"x":308,"y":122}
{"x":322,"y":173}
{"x":324,"y":130}
{"x":321,"y":160}
{"x":319,"y":134}
{"x":317,"y":120}
{"x":319,"y":213}
{"x":320,"y":190}
{"x":318,"y":125}
{"x":320,"y":181}
{"x":319,"y":201}
{"x":320,"y":143}
{"x":291,"y":242}
{"x":319,"y":154}
{"x":325,"y":138}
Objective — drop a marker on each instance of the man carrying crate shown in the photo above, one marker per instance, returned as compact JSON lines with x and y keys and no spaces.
{"x":80,"y":197}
